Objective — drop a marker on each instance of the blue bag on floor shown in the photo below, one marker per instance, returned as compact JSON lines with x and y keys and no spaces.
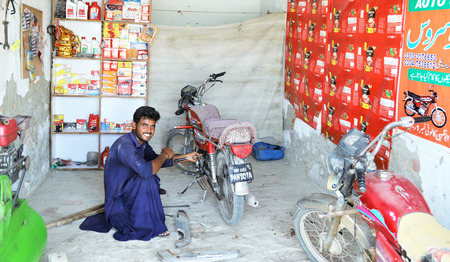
{"x":264,"y":151}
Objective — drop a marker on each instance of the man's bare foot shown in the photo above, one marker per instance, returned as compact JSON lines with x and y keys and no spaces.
{"x":164,"y":234}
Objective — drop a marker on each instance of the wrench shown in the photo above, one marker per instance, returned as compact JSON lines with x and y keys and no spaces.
{"x":5,"y":23}
{"x":5,"y":44}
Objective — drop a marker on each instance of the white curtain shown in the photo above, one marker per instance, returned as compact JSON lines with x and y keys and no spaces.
{"x":251,"y":54}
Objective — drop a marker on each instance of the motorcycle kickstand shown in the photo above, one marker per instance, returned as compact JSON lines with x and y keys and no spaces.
{"x":202,"y":200}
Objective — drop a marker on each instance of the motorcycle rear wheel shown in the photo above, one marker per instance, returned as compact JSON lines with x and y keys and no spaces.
{"x":176,"y":141}
{"x":409,"y":103}
{"x":311,"y":232}
{"x":231,"y":205}
{"x":438,"y":117}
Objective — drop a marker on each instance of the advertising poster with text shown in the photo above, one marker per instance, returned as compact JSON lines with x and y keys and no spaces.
{"x":424,"y":88}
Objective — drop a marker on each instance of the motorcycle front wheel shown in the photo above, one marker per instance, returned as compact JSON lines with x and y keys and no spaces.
{"x":409,"y":103}
{"x":231,"y":205}
{"x":438,"y":117}
{"x":311,"y":231}
{"x":182,"y":143}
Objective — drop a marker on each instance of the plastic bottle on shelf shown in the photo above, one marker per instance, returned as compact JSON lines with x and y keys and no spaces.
{"x":82,"y":8}
{"x":104,"y":156}
{"x":85,"y":46}
{"x":94,"y":11}
{"x":96,"y":51}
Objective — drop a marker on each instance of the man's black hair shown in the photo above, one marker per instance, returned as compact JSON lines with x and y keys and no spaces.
{"x":145,"y":112}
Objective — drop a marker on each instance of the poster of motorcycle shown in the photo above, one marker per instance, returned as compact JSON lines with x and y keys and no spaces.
{"x":424,"y":88}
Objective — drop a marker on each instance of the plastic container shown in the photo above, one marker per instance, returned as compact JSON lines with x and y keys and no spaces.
{"x":71,"y":9}
{"x":104,"y":156}
{"x":96,"y":51}
{"x":85,"y":46}
{"x":8,"y":131}
{"x":82,"y":10}
{"x":94,"y":11}
{"x":264,"y":151}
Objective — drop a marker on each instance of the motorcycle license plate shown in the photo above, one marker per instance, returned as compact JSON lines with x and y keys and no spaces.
{"x":240,"y":173}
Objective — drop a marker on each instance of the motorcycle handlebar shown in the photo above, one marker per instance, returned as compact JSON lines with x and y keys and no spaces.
{"x":361,"y":177}
{"x":422,"y":119}
{"x":180,"y":111}
{"x":214,"y":76}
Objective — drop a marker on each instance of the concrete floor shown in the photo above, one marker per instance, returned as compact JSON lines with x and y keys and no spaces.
{"x":264,"y":234}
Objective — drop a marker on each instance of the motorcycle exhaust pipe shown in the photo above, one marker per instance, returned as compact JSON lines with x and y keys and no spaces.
{"x":251,"y":200}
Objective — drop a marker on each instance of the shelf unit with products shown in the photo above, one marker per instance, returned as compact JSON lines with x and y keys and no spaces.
{"x":99,"y":77}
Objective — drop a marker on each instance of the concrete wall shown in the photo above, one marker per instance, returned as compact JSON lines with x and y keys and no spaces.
{"x":211,"y":13}
{"x":426,"y":164}
{"x":19,"y":96}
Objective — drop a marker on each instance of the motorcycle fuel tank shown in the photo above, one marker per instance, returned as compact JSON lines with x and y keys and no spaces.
{"x":393,"y":196}
{"x":8,"y":131}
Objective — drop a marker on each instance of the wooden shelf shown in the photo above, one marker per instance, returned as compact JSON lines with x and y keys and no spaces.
{"x":86,"y":96}
{"x":77,"y":57}
{"x":99,"y":21}
{"x":114,"y":132}
{"x":73,"y":143}
{"x":78,"y":132}
{"x":124,"y":96}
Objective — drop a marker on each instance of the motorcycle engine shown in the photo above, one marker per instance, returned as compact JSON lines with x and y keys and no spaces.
{"x":421,"y":111}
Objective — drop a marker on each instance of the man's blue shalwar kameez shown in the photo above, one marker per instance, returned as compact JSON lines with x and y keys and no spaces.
{"x":132,"y":201}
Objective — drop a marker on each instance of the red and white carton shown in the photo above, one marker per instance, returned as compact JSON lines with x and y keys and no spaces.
{"x":115,"y":42}
{"x":145,"y":18}
{"x":72,"y":89}
{"x":107,"y":43}
{"x":124,"y":89}
{"x":122,"y":53}
{"x":83,"y":89}
{"x":115,"y":53}
{"x":145,"y":9}
{"x":95,"y":74}
{"x":107,"y":52}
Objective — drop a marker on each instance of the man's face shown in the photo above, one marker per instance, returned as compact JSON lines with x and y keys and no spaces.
{"x":144,"y":130}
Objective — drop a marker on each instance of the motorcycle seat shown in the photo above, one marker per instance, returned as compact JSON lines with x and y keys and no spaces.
{"x":419,"y":232}
{"x":205,"y":112}
{"x":214,"y":127}
{"x":413,"y":95}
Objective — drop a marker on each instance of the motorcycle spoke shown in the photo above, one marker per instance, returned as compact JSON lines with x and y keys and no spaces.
{"x":344,"y":246}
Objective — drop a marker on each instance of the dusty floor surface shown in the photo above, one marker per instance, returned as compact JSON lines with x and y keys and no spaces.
{"x":264,"y":234}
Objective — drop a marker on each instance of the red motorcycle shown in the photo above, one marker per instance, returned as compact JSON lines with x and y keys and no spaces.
{"x":377,"y":215}
{"x":421,"y":105}
{"x":225,"y":145}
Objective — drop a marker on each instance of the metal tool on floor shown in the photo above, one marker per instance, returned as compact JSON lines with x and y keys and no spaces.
{"x":167,"y":255}
{"x":183,"y":229}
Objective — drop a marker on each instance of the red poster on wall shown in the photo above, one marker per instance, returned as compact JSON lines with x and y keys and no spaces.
{"x":425,"y":75}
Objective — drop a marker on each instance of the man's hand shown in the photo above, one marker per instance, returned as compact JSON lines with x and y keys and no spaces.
{"x":168,"y":151}
{"x":193,"y":156}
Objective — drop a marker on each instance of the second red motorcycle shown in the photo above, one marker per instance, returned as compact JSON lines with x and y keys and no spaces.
{"x":377,"y":215}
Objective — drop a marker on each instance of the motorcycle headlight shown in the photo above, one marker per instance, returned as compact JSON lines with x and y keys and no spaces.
{"x":335,"y":163}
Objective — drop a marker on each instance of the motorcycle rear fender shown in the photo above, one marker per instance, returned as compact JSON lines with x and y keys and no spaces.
{"x":363,"y":231}
{"x":241,"y":188}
